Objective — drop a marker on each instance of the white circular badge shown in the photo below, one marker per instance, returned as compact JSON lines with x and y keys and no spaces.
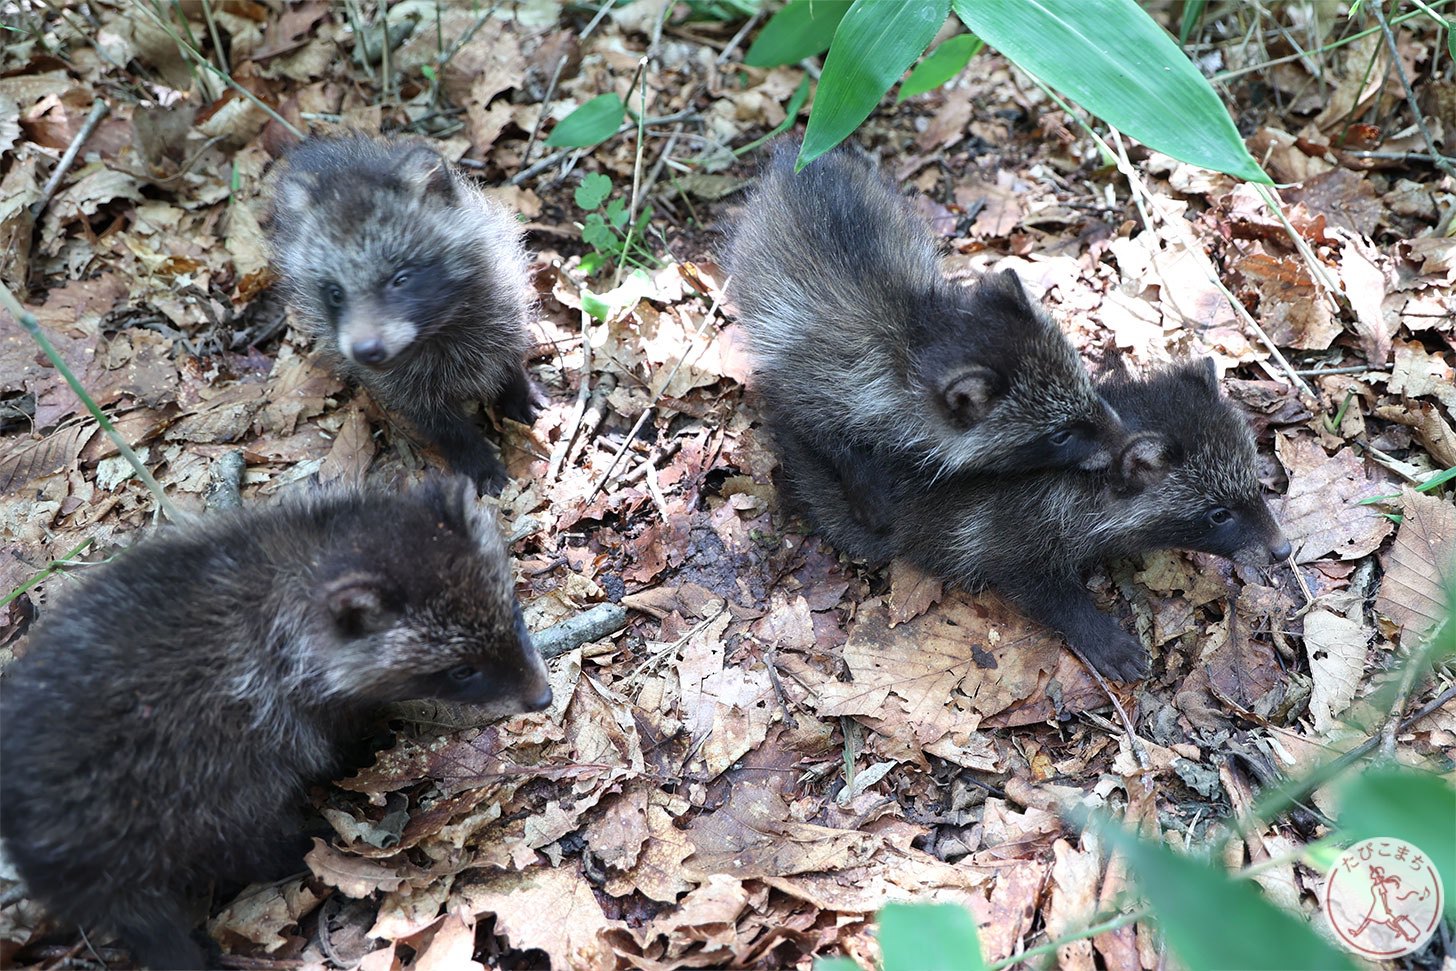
{"x":1383,"y":898}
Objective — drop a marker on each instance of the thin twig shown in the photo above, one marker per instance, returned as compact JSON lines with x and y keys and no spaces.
{"x":642,"y":418}
{"x":641,"y":79}
{"x":594,"y":415}
{"x":99,"y":108}
{"x":1410,"y":95}
{"x":558,"y":455}
{"x":1351,"y":369}
{"x":27,"y":320}
{"x":556,"y":77}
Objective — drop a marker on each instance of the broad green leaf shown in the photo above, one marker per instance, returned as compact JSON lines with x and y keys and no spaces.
{"x":593,"y":191}
{"x":1417,"y":807}
{"x":940,"y":65}
{"x":591,"y":124}
{"x":801,"y":29}
{"x":1110,"y":57}
{"x":929,"y":937}
{"x":596,"y":234}
{"x":1212,"y":921}
{"x":875,"y":43}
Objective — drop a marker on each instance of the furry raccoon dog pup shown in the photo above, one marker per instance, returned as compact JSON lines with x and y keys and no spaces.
{"x":160,"y":730}
{"x":412,"y":282}
{"x":1185,"y":480}
{"x":861,"y":343}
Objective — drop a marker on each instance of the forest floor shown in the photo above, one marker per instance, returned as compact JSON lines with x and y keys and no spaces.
{"x":781,"y":739}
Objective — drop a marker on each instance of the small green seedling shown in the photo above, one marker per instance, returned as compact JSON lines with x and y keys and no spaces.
{"x":605,"y":229}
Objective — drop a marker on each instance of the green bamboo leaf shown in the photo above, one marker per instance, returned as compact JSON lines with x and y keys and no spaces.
{"x":801,"y":29}
{"x":591,"y":124}
{"x":1406,"y":805}
{"x":940,"y":65}
{"x":929,"y":937}
{"x":1192,"y":13}
{"x":875,"y":43}
{"x":1110,"y":57}
{"x":1249,"y":932}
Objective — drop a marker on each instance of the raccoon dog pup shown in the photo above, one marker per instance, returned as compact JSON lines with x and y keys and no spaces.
{"x":412,"y":282}
{"x":1185,"y":480}
{"x":161,"y":729}
{"x":862,"y":344}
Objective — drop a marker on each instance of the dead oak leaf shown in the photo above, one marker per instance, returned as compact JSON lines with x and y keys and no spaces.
{"x":355,"y":876}
{"x":554,"y":910}
{"x":262,"y":917}
{"x":1420,"y":566}
{"x":912,"y":591}
{"x":450,"y":948}
{"x":1335,"y":646}
{"x":658,"y":873}
{"x":1321,"y":512}
{"x":753,"y":835}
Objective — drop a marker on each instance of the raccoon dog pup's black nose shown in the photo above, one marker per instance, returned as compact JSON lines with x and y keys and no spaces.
{"x":1281,"y":552}
{"x":541,"y":702}
{"x":370,"y":352}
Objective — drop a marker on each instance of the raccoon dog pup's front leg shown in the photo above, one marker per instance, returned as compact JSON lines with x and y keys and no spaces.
{"x":412,"y":282}
{"x":175,"y":705}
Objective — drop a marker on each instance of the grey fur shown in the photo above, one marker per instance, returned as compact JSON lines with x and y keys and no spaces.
{"x":160,"y":730}
{"x":432,"y":289}
{"x":1032,"y":537}
{"x":862,"y":345}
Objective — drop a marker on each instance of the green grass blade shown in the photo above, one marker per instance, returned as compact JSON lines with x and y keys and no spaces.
{"x":1110,"y":57}
{"x":591,"y":124}
{"x":875,"y":43}
{"x":940,"y":65}
{"x":1399,"y":803}
{"x":1192,"y":13}
{"x":1212,"y":921}
{"x":929,"y":937}
{"x":801,"y":29}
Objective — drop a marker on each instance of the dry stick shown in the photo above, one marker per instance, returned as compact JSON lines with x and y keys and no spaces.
{"x":737,"y":38}
{"x":553,"y":468}
{"x":1389,"y":730}
{"x":556,"y":77}
{"x":641,"y":78}
{"x":642,"y":418}
{"x":1135,"y":743}
{"x":193,"y":53}
{"x":596,"y":413}
{"x":27,"y":320}
{"x":1410,"y":96}
{"x":99,"y":108}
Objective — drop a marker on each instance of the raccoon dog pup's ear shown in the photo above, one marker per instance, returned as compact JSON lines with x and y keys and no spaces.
{"x":970,"y":394}
{"x":360,"y":604}
{"x":1145,"y":459}
{"x":426,"y":174}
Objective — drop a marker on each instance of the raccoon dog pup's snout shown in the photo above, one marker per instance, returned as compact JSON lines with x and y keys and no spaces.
{"x":412,"y":282}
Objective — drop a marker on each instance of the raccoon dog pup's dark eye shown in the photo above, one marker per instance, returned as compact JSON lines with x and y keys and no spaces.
{"x":1220,"y":516}
{"x":334,"y":294}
